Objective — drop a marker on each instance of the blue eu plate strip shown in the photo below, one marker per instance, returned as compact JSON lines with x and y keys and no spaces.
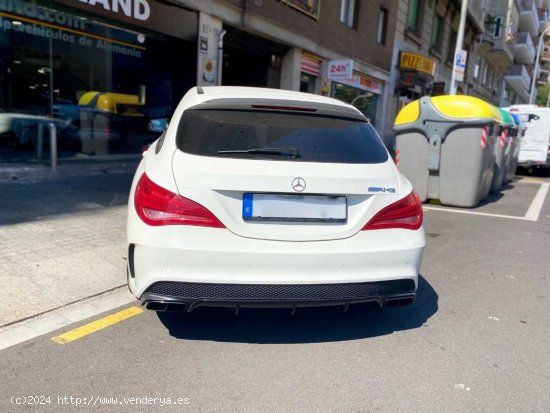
{"x":247,"y":205}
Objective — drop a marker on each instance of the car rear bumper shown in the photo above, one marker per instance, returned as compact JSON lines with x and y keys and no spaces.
{"x":181,"y":296}
{"x":229,"y":268}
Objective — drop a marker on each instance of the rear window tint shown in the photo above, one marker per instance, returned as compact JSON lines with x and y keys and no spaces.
{"x":317,"y":138}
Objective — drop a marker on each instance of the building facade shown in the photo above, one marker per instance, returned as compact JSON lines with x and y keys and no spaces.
{"x":424,"y":50}
{"x":337,"y":48}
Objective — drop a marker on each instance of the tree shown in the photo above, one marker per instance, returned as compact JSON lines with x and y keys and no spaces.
{"x":542,"y":94}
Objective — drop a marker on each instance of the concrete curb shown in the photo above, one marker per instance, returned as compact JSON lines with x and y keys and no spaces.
{"x":20,"y":331}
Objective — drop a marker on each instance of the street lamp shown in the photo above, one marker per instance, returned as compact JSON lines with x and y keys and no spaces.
{"x":537,"y":66}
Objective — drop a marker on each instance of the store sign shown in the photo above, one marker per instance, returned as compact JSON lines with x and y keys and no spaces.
{"x":137,"y":9}
{"x":340,"y":69}
{"x":360,"y":81}
{"x":17,"y":16}
{"x":310,"y":64}
{"x":417,"y":62}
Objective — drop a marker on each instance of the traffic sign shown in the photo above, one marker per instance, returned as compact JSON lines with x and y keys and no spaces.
{"x":460,"y":64}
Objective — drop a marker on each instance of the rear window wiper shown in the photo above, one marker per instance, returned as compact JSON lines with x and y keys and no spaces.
{"x":292,"y":152}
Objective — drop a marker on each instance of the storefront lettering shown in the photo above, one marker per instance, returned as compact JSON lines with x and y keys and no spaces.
{"x":417,"y":62}
{"x":140,"y":10}
{"x":340,"y":69}
{"x":58,"y":34}
{"x":33,"y":11}
{"x":36,"y":30}
{"x":115,"y":48}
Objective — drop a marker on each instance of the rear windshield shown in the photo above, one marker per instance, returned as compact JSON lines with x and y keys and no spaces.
{"x":309,"y":138}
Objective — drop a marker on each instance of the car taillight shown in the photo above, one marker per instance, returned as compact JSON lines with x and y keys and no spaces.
{"x":158,"y":206}
{"x":405,"y":213}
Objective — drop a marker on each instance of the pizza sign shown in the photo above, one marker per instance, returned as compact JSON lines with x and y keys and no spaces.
{"x":340,"y":69}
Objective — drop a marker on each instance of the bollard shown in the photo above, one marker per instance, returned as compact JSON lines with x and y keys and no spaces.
{"x":53,"y":146}
{"x":40,"y":141}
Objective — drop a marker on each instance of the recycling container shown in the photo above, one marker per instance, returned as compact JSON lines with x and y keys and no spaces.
{"x":500,"y":165}
{"x":445,"y":146}
{"x":514,"y":145}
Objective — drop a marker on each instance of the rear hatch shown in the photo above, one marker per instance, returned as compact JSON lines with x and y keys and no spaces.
{"x":284,"y":172}
{"x":535,"y":142}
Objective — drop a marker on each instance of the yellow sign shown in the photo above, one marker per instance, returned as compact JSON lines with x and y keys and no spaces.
{"x":417,"y":62}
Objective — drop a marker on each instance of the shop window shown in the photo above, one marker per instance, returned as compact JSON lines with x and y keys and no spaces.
{"x":414,"y":19}
{"x":382,"y":26}
{"x":100,"y":83}
{"x":437,"y":34}
{"x":365,"y":101}
{"x":348,"y":12}
{"x":307,"y":83}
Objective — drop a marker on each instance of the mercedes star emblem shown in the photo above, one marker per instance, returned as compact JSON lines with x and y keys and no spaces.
{"x":299,"y":184}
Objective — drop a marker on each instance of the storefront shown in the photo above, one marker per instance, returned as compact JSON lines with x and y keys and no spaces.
{"x":100,"y":71}
{"x":310,"y":70}
{"x":416,"y":75}
{"x":356,"y":88}
{"x":250,"y":60}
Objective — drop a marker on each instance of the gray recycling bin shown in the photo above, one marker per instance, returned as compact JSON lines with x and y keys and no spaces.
{"x":445,"y":147}
{"x":513,"y":150}
{"x":501,"y":151}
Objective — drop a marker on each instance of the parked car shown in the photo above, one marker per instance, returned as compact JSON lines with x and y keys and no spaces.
{"x":21,"y":130}
{"x":264,"y":197}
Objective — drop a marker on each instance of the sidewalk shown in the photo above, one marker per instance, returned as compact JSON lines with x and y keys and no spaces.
{"x":62,"y":234}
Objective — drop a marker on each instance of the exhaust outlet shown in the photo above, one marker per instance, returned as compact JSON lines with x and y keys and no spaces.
{"x":399,"y":301}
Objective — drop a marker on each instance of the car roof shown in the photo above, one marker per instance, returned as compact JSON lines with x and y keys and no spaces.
{"x":231,"y":95}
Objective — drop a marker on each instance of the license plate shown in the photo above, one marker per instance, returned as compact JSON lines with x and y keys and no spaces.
{"x":294,"y":208}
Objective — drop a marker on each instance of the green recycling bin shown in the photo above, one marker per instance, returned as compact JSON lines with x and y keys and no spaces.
{"x":499,"y":167}
{"x":445,"y":147}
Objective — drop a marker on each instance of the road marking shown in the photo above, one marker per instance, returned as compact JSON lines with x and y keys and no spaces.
{"x":536,"y":206}
{"x":97,"y":325}
{"x":532,"y":214}
{"x":531,"y":181}
{"x":41,"y":324}
{"x":484,"y":214}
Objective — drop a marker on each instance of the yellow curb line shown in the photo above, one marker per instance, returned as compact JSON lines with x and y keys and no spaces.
{"x":97,"y":325}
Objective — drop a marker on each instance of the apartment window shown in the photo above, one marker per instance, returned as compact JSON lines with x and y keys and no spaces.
{"x":437,"y":33}
{"x":348,"y":12}
{"x":414,"y":20}
{"x":451,"y":48}
{"x":382,"y":26}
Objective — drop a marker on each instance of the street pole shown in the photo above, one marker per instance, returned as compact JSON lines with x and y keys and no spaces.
{"x":537,"y":65}
{"x":459,"y":42}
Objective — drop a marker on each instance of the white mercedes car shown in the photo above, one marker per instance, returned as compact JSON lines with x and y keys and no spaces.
{"x":259,"y":197}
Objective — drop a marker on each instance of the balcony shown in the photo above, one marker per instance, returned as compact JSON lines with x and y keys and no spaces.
{"x":528,"y":17}
{"x":519,"y":80}
{"x":498,"y":51}
{"x":543,"y":19}
{"x":524,"y":49}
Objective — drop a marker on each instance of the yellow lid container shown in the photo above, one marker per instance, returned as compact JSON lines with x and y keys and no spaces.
{"x":459,"y":107}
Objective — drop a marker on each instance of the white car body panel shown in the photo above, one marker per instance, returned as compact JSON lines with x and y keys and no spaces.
{"x":268,"y":252}
{"x":535,"y":142}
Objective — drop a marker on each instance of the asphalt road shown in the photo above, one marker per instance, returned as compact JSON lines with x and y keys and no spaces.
{"x":476,"y":339}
